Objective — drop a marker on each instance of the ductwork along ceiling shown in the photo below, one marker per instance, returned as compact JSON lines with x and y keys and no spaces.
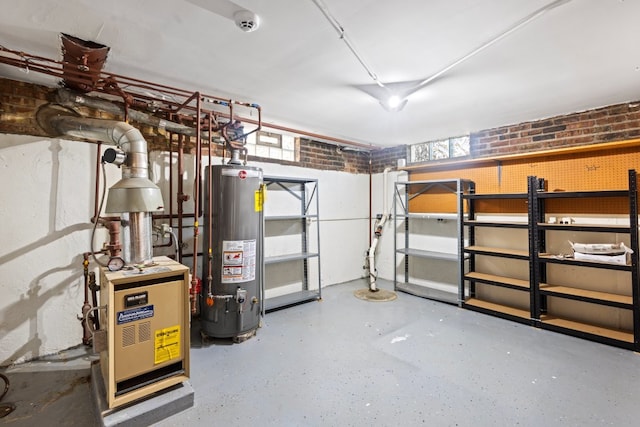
{"x":324,"y":66}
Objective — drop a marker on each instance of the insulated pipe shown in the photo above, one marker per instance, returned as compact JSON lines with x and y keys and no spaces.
{"x":71,"y":99}
{"x":371,"y":253}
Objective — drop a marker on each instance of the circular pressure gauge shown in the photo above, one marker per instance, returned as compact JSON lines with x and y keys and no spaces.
{"x":115,"y":263}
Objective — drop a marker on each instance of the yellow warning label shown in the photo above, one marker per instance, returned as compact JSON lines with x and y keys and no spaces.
{"x":167,"y":344}
{"x":260,"y":196}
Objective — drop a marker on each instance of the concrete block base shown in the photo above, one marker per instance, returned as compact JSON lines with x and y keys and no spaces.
{"x":154,"y":408}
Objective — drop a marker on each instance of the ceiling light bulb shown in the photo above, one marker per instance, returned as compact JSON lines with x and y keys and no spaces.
{"x":393,"y":101}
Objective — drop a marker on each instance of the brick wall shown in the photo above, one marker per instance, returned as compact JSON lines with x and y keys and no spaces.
{"x":319,"y":155}
{"x":18,"y":102}
{"x":387,"y":158}
{"x":606,"y":124}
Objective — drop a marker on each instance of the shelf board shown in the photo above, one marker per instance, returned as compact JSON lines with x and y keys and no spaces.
{"x":288,"y":257}
{"x":496,"y":196}
{"x":491,"y":279}
{"x":428,"y":292}
{"x":288,"y":181}
{"x":581,"y":194}
{"x":428,"y":254}
{"x":596,"y":297}
{"x":586,"y":328}
{"x":451,"y":185}
{"x":550,"y":258}
{"x":503,"y":224}
{"x":429,"y":215}
{"x":288,"y":300}
{"x":508,"y":253}
{"x":288,"y":217}
{"x":492,"y":307}
{"x":602,"y":228}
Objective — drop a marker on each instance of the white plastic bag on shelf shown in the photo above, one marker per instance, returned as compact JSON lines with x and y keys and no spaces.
{"x":611,"y":253}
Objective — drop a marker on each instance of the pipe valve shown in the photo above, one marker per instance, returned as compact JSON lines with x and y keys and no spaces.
{"x":241,"y":295}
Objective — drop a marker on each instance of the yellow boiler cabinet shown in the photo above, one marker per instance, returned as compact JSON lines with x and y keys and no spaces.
{"x":147,"y":323}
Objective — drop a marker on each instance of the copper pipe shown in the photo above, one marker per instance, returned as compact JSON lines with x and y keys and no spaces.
{"x":114,"y":246}
{"x":170,"y":180}
{"x":169,"y":216}
{"x":25,"y":61}
{"x":181,"y":196}
{"x":196,"y":201}
{"x":209,"y":219}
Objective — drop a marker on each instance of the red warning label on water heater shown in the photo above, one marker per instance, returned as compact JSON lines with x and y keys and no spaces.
{"x":238,"y":261}
{"x":242,"y":174}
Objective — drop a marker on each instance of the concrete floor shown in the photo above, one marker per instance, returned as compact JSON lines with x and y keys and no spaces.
{"x":348,"y":362}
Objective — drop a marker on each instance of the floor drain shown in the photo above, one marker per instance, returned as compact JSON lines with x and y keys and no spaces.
{"x":6,"y":409}
{"x":381,"y":295}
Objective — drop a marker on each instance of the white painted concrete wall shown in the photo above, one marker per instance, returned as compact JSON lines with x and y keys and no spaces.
{"x":47,"y":202}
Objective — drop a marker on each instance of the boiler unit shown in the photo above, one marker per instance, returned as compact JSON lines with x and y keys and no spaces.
{"x":147,"y":330}
{"x":231,"y":293}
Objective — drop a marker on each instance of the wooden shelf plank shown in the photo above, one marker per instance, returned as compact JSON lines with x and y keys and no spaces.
{"x":493,"y":279}
{"x":495,"y":196}
{"x":552,"y":258}
{"x":601,"y":228}
{"x":586,"y":294}
{"x":505,"y":309}
{"x":602,"y":331}
{"x":502,"y":224}
{"x":485,"y":250}
{"x":582,"y":194}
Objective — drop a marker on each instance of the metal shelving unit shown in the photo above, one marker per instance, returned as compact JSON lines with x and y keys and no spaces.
{"x":409,"y":254}
{"x":476,"y":278}
{"x":623,"y":302}
{"x":546,"y":292}
{"x":299,"y":216}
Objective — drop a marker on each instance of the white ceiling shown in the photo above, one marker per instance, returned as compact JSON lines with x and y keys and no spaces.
{"x":579,"y":55}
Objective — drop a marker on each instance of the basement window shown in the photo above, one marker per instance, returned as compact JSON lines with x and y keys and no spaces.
{"x":273,"y":146}
{"x":440,"y":149}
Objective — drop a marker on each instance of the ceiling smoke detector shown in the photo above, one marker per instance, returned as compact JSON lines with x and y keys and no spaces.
{"x":246,"y":20}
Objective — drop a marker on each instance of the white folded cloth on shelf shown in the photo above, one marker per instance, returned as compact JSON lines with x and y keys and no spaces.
{"x":612,"y":253}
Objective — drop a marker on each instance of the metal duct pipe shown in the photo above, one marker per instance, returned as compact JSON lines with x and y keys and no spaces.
{"x":134,"y":196}
{"x":71,"y":99}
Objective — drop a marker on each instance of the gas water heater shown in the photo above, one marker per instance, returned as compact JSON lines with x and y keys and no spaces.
{"x":231,"y":293}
